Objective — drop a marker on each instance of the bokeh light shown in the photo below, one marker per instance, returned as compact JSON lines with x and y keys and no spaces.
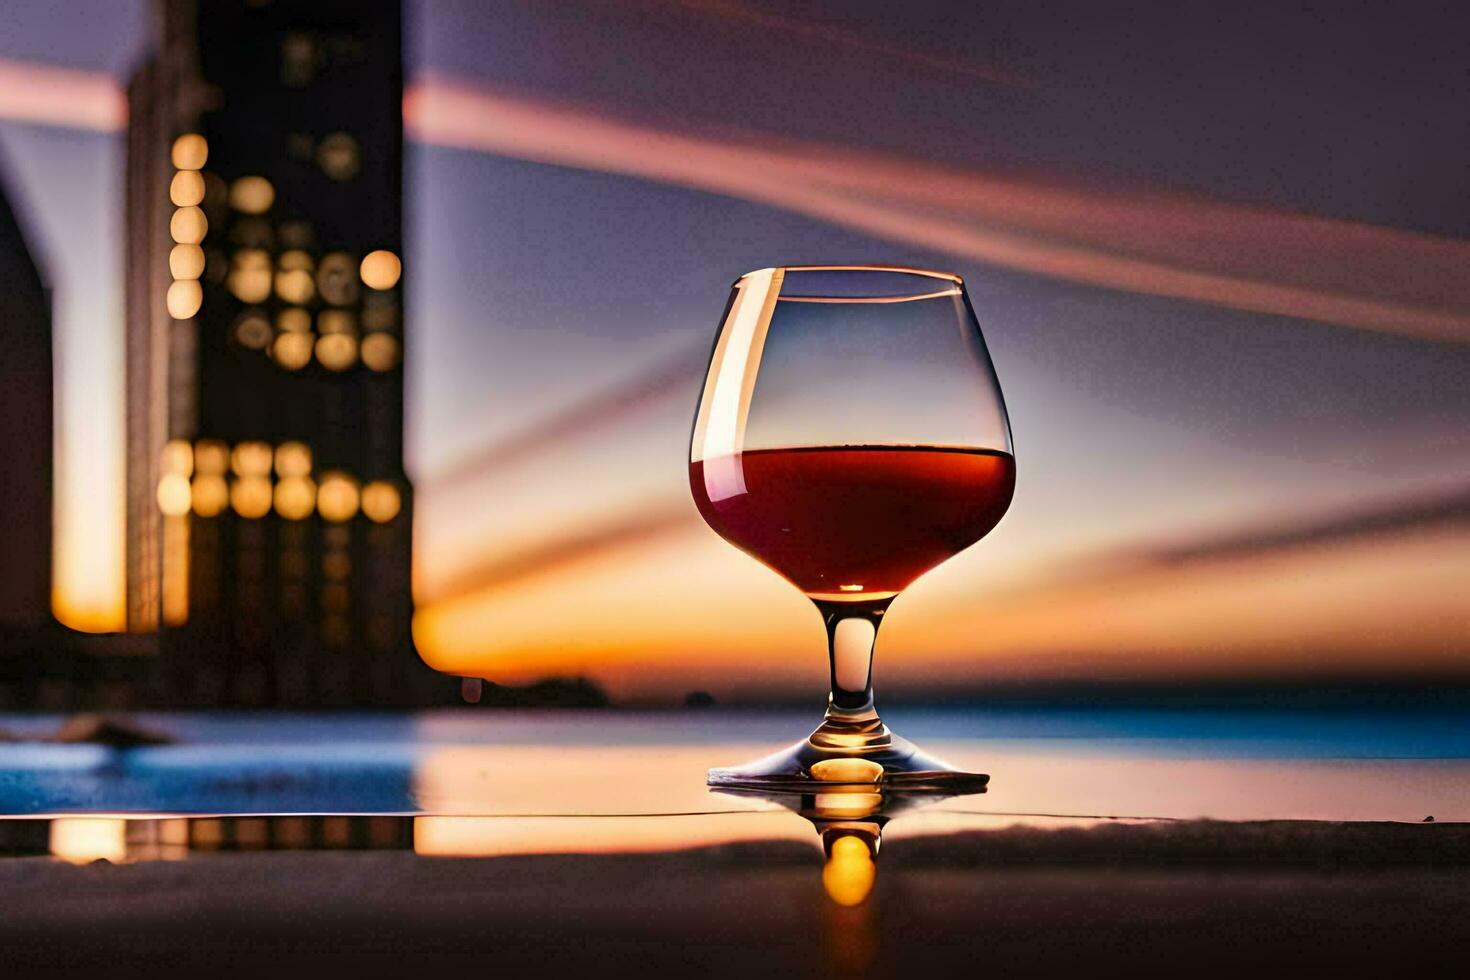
{"x":186,"y":189}
{"x":336,"y":321}
{"x":337,"y":497}
{"x":186,"y":261}
{"x":251,"y":459}
{"x":211,"y":495}
{"x":177,"y":457}
{"x":211,"y":456}
{"x":292,"y":351}
{"x":380,"y":269}
{"x":849,"y":873}
{"x":174,"y":494}
{"x":250,"y":275}
{"x":253,"y":331}
{"x":295,"y":498}
{"x":380,"y":351}
{"x":295,"y":286}
{"x":190,"y":152}
{"x":293,"y":459}
{"x":381,"y":501}
{"x":336,"y":279}
{"x":338,"y":156}
{"x":336,"y":351}
{"x":251,"y":497}
{"x":188,"y":226}
{"x":252,"y":195}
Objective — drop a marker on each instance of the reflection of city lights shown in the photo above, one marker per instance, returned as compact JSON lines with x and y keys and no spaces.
{"x":293,"y":459}
{"x":295,"y":498}
{"x":293,"y":319}
{"x":190,"y":151}
{"x":188,"y":226}
{"x":338,"y":156}
{"x":186,"y":189}
{"x":250,"y":496}
{"x":381,"y":501}
{"x":336,"y":497}
{"x":380,"y":269}
{"x":336,"y":352}
{"x":849,"y":873}
{"x":336,"y":279}
{"x":336,"y":321}
{"x":173,"y":494}
{"x":251,"y":459}
{"x":252,"y":195}
{"x":186,"y":261}
{"x":380,"y":351}
{"x":184,"y":298}
{"x":253,"y":330}
{"x":82,"y":840}
{"x":294,"y":285}
{"x":177,"y":457}
{"x":211,"y":495}
{"x":292,"y":351}
{"x":211,"y":456}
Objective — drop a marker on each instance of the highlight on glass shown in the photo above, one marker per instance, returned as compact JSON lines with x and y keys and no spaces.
{"x":851,"y":436}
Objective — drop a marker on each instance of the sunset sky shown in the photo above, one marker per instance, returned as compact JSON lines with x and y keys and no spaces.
{"x":1226,"y":298}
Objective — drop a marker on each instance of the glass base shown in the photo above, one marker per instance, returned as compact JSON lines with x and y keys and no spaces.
{"x":850,"y":752}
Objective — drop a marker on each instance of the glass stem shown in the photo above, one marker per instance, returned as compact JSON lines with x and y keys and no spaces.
{"x":852,"y":627}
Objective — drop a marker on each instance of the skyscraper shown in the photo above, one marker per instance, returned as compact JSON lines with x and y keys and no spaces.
{"x":25,"y":434}
{"x":268,"y":509}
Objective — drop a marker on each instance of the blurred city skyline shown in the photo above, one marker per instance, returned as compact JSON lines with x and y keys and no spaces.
{"x":1225,"y":307}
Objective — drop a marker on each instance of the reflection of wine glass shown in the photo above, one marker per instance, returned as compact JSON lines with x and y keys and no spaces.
{"x":851,"y":436}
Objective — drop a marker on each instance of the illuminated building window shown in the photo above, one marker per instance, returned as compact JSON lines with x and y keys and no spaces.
{"x":295,"y":286}
{"x":380,"y":269}
{"x":252,"y":195}
{"x":190,"y":152}
{"x":186,"y":189}
{"x":250,"y":275}
{"x":188,"y":226}
{"x":177,"y":457}
{"x":292,"y":351}
{"x":293,"y":459}
{"x":174,"y":495}
{"x":381,"y":501}
{"x":211,"y":495}
{"x":336,"y":352}
{"x":336,"y":279}
{"x":184,"y":298}
{"x":251,"y":459}
{"x":336,"y":321}
{"x":253,"y":331}
{"x":251,"y":496}
{"x":337,"y":497}
{"x":186,"y":261}
{"x":339,"y":156}
{"x":295,"y":498}
{"x":380,"y":351}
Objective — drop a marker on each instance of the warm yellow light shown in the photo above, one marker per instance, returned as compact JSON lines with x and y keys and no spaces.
{"x":253,"y":330}
{"x":250,"y":275}
{"x":185,"y":296}
{"x":188,"y":226}
{"x":211,"y":456}
{"x":82,"y":840}
{"x":850,"y":872}
{"x":293,"y":319}
{"x":173,"y":494}
{"x":252,"y":195}
{"x":293,"y":459}
{"x":190,"y":151}
{"x":336,"y":497}
{"x":295,"y":498}
{"x":186,"y":189}
{"x":380,"y":351}
{"x":295,"y":259}
{"x":292,"y":351}
{"x":336,"y":279}
{"x":336,"y":321}
{"x":210,"y":495}
{"x":251,"y":496}
{"x":177,"y":457}
{"x":295,"y":285}
{"x":336,"y":351}
{"x":338,"y":156}
{"x":251,"y":459}
{"x":186,"y":261}
{"x":380,"y":269}
{"x":381,"y":501}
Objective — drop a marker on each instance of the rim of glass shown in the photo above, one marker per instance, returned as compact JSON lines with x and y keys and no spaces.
{"x":941,"y":283}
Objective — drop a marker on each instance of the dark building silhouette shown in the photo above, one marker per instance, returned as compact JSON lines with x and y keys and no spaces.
{"x":25,"y":436}
{"x":269,"y":531}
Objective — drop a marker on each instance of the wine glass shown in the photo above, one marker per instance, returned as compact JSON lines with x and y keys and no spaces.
{"x":851,"y":436}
